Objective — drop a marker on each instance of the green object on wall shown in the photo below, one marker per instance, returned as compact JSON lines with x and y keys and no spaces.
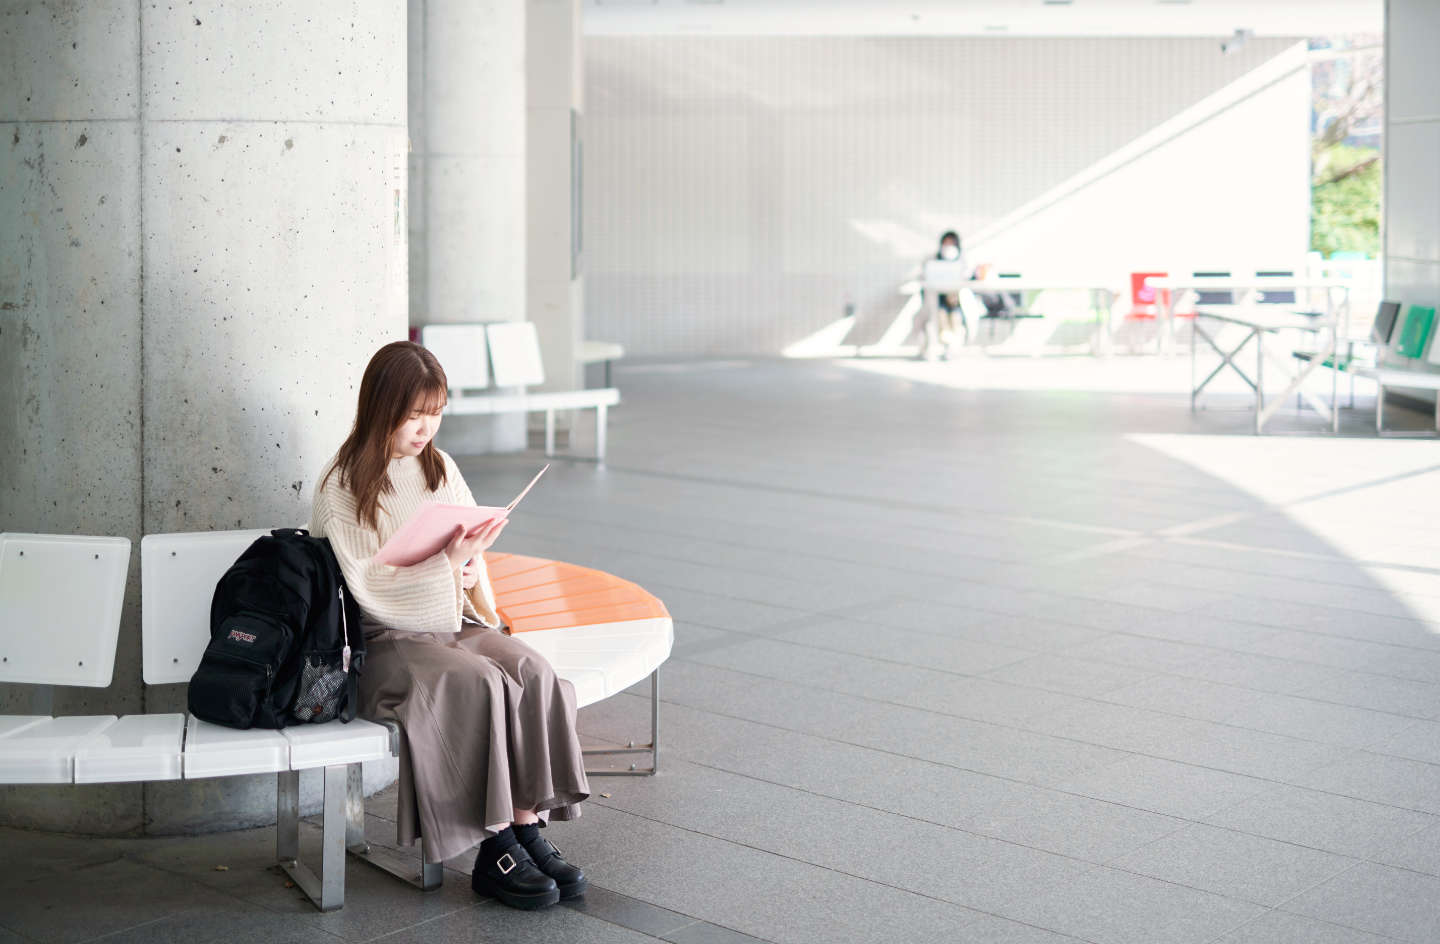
{"x":1417,"y":331}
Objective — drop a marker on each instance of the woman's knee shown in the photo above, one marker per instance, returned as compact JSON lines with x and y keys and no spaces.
{"x":535,"y":669}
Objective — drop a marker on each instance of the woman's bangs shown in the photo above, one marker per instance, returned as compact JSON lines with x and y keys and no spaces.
{"x":432,"y":400}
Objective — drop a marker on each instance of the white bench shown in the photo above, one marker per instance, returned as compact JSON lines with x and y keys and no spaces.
{"x":1395,"y":375}
{"x":600,"y":352}
{"x":48,"y":638}
{"x":469,"y":351}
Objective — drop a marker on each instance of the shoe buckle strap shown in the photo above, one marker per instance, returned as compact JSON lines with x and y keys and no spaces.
{"x":500,"y":864}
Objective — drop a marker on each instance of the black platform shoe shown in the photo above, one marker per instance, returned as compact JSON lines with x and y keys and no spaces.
{"x":513,"y":878}
{"x":570,"y":880}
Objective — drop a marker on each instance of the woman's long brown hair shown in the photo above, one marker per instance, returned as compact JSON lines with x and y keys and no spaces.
{"x":399,"y":375}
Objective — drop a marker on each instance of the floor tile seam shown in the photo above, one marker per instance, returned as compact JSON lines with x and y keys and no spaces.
{"x":1182,"y":822}
{"x":772,"y":636}
{"x":134,"y":856}
{"x":728,"y":568}
{"x":128,"y":928}
{"x":780,"y":639}
{"x":1021,"y":729}
{"x":1214,"y":650}
{"x":23,"y":937}
{"x":1281,"y":907}
{"x":1254,"y":550}
{"x":1065,"y":594}
{"x":869,"y":501}
{"x":1370,"y":859}
{"x":1369,"y":586}
{"x":1128,"y":755}
{"x":1102,"y":631}
{"x":1254,"y":691}
{"x":788,"y":858}
{"x":1208,"y":892}
{"x":1270,"y":911}
{"x":1247,"y":595}
{"x":1351,"y":859}
{"x":667,"y":936}
{"x":1247,"y":622}
{"x":473,"y":906}
{"x":869,"y":565}
{"x":819,"y":535}
{"x":979,"y":834}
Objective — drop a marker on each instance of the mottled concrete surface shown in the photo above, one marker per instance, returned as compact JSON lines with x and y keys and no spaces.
{"x":196,"y":271}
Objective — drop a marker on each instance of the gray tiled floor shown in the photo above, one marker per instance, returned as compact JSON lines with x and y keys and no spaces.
{"x":953,"y":663}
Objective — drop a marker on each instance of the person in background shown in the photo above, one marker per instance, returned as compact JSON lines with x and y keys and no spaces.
{"x":941,"y":309}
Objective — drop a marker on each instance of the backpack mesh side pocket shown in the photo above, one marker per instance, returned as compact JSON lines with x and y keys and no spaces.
{"x":322,"y":692}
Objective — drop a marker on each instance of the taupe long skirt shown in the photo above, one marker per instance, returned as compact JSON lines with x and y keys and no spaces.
{"x":488,"y":728}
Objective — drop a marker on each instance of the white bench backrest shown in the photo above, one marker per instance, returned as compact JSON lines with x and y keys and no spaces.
{"x":515,"y":354}
{"x":60,"y":603}
{"x":178,"y":573}
{"x":462,"y":351}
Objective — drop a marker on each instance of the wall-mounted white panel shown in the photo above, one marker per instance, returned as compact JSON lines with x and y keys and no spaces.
{"x":1412,"y":44}
{"x":1413,"y":172}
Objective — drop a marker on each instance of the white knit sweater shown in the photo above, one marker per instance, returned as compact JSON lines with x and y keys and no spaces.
{"x":426,"y":597}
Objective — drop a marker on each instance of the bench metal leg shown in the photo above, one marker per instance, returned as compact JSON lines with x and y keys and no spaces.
{"x":653,"y":748}
{"x":326,"y":890}
{"x":601,"y":426}
{"x":424,"y":875}
{"x":549,"y":432}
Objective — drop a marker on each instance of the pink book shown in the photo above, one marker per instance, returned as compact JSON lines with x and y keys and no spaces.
{"x":430,"y":529}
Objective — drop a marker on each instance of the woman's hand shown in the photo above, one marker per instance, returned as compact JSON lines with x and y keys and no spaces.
{"x":469,"y":574}
{"x":467,"y":545}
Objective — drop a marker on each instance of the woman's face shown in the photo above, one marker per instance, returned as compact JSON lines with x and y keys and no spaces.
{"x":418,"y":428}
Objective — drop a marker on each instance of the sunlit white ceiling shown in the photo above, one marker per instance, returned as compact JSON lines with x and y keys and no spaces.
{"x":983,"y":17}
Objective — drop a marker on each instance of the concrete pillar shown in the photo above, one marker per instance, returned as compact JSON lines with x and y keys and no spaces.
{"x":467,"y":174}
{"x":555,"y":261}
{"x":208,"y":203}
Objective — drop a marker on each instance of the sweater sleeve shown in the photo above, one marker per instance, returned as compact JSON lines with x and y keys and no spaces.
{"x":480,"y":601}
{"x":424,"y":597}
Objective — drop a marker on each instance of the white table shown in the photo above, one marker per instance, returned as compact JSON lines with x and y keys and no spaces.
{"x":1259,"y":326}
{"x":1247,"y":291}
{"x":1102,"y":298}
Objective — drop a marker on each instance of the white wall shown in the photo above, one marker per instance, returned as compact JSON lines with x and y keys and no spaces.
{"x":1412,"y":154}
{"x":740,"y":191}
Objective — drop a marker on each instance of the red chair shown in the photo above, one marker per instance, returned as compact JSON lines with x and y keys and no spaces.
{"x":1145,"y":302}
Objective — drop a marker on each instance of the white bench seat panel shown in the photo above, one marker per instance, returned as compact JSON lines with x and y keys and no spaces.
{"x":45,"y":752}
{"x":1399,"y":377}
{"x":10,"y":723}
{"x":531,"y":402}
{"x":589,"y":683}
{"x":594,"y":352}
{"x":336,"y":742}
{"x":620,"y":654}
{"x":212,"y":750}
{"x":135,"y":748}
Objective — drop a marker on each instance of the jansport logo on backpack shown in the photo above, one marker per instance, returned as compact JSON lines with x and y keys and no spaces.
{"x":280,"y":646}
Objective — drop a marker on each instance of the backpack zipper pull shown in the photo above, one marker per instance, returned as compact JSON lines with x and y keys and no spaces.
{"x":345,"y":628}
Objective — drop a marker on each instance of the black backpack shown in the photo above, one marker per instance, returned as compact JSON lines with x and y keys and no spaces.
{"x":281,"y":648}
